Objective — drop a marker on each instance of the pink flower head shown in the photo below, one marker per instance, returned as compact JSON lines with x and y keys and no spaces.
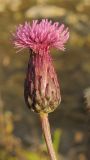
{"x":41,"y":36}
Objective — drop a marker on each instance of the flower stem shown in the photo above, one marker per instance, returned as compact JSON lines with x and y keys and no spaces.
{"x":47,"y":135}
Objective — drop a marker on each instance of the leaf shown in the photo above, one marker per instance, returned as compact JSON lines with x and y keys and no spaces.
{"x":57,"y":137}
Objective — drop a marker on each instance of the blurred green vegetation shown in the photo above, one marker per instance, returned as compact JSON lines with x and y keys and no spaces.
{"x":11,"y":147}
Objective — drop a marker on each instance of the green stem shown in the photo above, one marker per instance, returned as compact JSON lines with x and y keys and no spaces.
{"x":47,"y":135}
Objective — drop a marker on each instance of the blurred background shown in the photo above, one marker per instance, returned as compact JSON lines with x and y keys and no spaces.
{"x":20,"y":130}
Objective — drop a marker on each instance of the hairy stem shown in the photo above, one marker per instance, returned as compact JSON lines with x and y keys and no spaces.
{"x":47,"y":135}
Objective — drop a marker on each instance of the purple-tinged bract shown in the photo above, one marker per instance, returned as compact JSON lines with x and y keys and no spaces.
{"x":41,"y":90}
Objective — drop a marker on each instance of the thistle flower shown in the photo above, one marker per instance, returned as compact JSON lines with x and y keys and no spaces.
{"x":41,"y":89}
{"x":41,"y":36}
